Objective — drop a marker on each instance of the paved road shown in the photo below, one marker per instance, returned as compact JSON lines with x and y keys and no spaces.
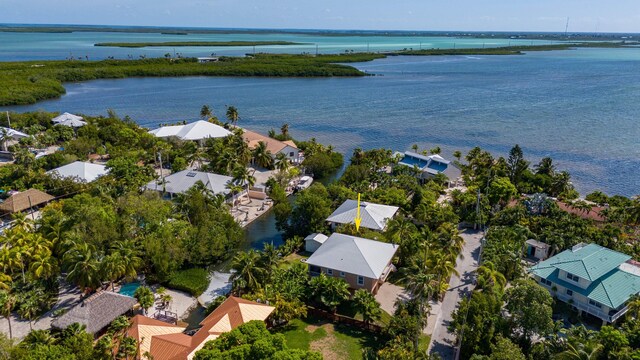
{"x":442,"y":341}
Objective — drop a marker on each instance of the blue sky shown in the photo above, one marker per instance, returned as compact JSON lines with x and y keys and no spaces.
{"x":487,"y":15}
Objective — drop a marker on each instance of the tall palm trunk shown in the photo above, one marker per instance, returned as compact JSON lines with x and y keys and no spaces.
{"x":10,"y":330}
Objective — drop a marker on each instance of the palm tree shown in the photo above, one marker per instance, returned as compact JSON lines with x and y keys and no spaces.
{"x":243,"y":177}
{"x":39,"y":337}
{"x":5,"y":281}
{"x":247,"y":271}
{"x":489,"y":278}
{"x":284,"y":130}
{"x":367,"y":305}
{"x":457,"y":154}
{"x":262,"y":155}
{"x":206,"y":112}
{"x":270,"y":258}
{"x":128,"y":348}
{"x":330,"y":291}
{"x":145,"y":297}
{"x":281,"y":162}
{"x":634,"y":307}
{"x":127,"y":251}
{"x":546,"y":167}
{"x":4,"y":138}
{"x":112,"y":268}
{"x":415,"y":148}
{"x":28,"y":310}
{"x":84,"y":268}
{"x":232,"y":114}
{"x":7,"y":302}
{"x":581,"y":351}
{"x":43,"y":265}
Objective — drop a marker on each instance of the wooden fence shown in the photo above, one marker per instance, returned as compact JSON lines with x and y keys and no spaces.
{"x":341,"y":319}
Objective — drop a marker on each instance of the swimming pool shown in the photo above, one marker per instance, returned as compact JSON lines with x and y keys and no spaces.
{"x":129,"y":289}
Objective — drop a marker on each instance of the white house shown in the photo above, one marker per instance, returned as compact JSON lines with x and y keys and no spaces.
{"x":274,"y":146}
{"x":80,"y":171}
{"x":374,"y":216}
{"x":66,"y":117}
{"x":430,"y":166}
{"x":184,"y":180}
{"x":199,"y":130}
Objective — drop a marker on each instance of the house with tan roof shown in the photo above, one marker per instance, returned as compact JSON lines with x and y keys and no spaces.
{"x":25,"y":200}
{"x":168,"y":342}
{"x":274,"y":146}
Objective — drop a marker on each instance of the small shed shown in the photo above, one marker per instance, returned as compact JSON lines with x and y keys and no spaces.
{"x":537,"y":249}
{"x":25,"y":200}
{"x":313,"y":242}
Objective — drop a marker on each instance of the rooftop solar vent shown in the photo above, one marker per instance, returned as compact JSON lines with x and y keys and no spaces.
{"x":191,"y":174}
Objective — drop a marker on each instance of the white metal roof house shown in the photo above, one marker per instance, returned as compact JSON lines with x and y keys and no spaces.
{"x":182,"y":181}
{"x":12,"y":133}
{"x":430,"y":166}
{"x":374,"y":216}
{"x":314,"y":241}
{"x":80,"y":171}
{"x":198,"y":130}
{"x":362,"y":263}
{"x":65,"y":117}
{"x":74,"y":123}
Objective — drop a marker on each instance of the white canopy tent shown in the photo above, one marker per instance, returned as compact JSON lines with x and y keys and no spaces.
{"x":66,"y":116}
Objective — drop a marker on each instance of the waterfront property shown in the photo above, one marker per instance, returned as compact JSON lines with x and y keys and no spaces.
{"x":362,"y":263}
{"x":430,"y":166}
{"x":168,"y":342}
{"x":12,"y":133}
{"x":25,"y":200}
{"x":374,"y":216}
{"x":591,"y":278}
{"x":184,"y":180}
{"x":274,"y":146}
{"x":80,"y":171}
{"x":196,"y":131}
{"x":66,"y":117}
{"x":314,"y":241}
{"x":96,"y":312}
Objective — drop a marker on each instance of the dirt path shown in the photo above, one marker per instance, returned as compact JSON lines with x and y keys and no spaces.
{"x":327,"y":345}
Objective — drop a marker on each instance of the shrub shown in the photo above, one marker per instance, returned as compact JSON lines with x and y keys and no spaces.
{"x":194,"y":281}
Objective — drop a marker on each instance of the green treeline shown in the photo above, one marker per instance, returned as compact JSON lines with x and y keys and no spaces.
{"x":196,"y":43}
{"x":31,"y":81}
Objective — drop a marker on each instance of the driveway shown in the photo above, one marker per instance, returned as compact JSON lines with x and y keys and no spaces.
{"x":442,"y":341}
{"x":388,"y":294}
{"x":68,"y":296}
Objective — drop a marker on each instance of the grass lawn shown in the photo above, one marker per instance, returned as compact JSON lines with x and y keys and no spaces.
{"x":332,"y":341}
{"x":292,"y":258}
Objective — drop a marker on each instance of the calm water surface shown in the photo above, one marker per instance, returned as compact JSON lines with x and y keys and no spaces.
{"x":57,"y":46}
{"x":580,"y":107}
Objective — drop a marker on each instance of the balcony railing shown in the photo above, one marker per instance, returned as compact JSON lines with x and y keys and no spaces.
{"x":594,"y":310}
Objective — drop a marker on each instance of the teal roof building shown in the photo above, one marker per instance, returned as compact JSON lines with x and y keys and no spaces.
{"x":592,"y":278}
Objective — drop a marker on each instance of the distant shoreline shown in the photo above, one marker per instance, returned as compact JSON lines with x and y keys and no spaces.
{"x":196,"y":43}
{"x":556,"y":36}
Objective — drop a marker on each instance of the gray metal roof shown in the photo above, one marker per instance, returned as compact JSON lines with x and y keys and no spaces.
{"x":318,"y":237}
{"x":182,"y":181}
{"x":83,"y":171}
{"x":374,"y":216}
{"x":96,"y":311}
{"x":354,"y":255}
{"x":197,"y":130}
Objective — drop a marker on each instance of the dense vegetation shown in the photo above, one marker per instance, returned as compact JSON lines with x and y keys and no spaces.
{"x":196,"y":43}
{"x":109,"y":229}
{"x":32,"y":81}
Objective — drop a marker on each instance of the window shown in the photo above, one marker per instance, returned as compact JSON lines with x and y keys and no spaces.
{"x":314,"y":269}
{"x":573,"y":277}
{"x":594,"y":303}
{"x":545,"y":282}
{"x":360,"y":280}
{"x":341,"y":273}
{"x":569,"y":292}
{"x":291,"y":154}
{"x":329,"y":271}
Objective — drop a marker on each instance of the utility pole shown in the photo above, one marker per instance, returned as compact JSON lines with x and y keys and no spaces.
{"x":33,"y":217}
{"x":420,"y":45}
{"x":316,"y":49}
{"x":566,"y":27}
{"x":8,"y":120}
